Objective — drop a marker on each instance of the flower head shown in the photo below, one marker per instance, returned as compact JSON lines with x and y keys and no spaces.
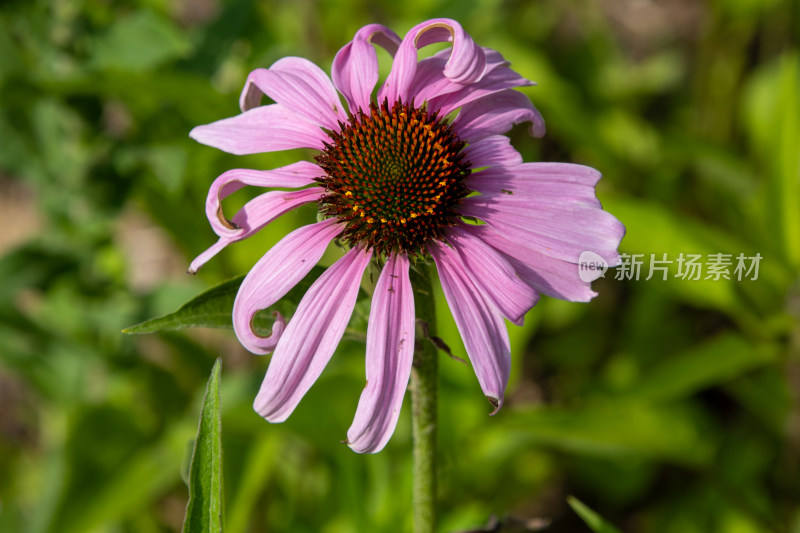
{"x":395,"y":180}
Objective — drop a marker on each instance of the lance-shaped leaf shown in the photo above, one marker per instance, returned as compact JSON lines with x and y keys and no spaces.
{"x":204,"y":510}
{"x":213,"y":308}
{"x":595,"y":522}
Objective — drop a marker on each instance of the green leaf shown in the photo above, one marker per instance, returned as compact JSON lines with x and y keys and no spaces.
{"x":595,"y":522}
{"x":213,"y":308}
{"x":210,"y":309}
{"x":771,"y":108}
{"x":204,"y":510}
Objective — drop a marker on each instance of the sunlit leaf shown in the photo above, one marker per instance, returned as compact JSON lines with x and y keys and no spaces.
{"x":592,"y":519}
{"x":772,"y":110}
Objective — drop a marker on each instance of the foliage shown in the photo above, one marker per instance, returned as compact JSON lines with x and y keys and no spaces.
{"x":213,"y":308}
{"x":664,"y":405}
{"x":204,"y":512}
{"x":591,"y":518}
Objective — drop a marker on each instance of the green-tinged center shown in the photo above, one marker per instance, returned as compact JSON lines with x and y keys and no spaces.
{"x":394,"y":176}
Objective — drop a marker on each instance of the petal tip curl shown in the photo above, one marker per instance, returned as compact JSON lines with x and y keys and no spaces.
{"x":496,"y":404}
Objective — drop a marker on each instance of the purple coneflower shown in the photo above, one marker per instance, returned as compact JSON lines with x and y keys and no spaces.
{"x":394,"y":180}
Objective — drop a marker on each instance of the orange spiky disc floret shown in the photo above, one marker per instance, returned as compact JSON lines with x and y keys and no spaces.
{"x":394,"y":176}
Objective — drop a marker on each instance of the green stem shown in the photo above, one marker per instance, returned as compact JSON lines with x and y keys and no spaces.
{"x":423,"y":400}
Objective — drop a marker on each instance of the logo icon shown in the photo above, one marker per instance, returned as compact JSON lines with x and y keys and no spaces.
{"x":591,"y":266}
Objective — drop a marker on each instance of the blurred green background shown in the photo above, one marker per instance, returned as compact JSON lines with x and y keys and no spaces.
{"x":666,"y":406}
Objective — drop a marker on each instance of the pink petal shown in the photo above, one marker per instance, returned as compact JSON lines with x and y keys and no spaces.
{"x":549,"y":276}
{"x":311,"y":337}
{"x":567,"y":172}
{"x":268,"y":128}
{"x":251,"y":218}
{"x":297,"y":174}
{"x":355,"y":67}
{"x":491,"y":151}
{"x":430,"y":80}
{"x":262,"y":210}
{"x":296,"y":84}
{"x":496,"y":114}
{"x":574,"y":183}
{"x":466,"y":64}
{"x":497,"y":81}
{"x":481,"y":327}
{"x":207,"y":255}
{"x":559,"y":228}
{"x":280,"y":269}
{"x":491,"y":274}
{"x":390,"y":352}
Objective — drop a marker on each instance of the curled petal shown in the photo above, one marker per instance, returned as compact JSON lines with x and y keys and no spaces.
{"x":251,"y":218}
{"x":430,"y":80}
{"x":296,"y":84}
{"x":481,"y":327}
{"x":491,"y":274}
{"x":499,"y":80}
{"x":467,"y":60}
{"x":267,"y":128}
{"x":492,"y":151}
{"x":355,"y":67}
{"x":465,"y":65}
{"x":280,"y":269}
{"x":390,"y":351}
{"x":262,"y":210}
{"x":297,"y":174}
{"x":267,"y":344}
{"x":496,"y":114}
{"x":559,"y":228}
{"x":311,"y":337}
{"x":547,"y":275}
